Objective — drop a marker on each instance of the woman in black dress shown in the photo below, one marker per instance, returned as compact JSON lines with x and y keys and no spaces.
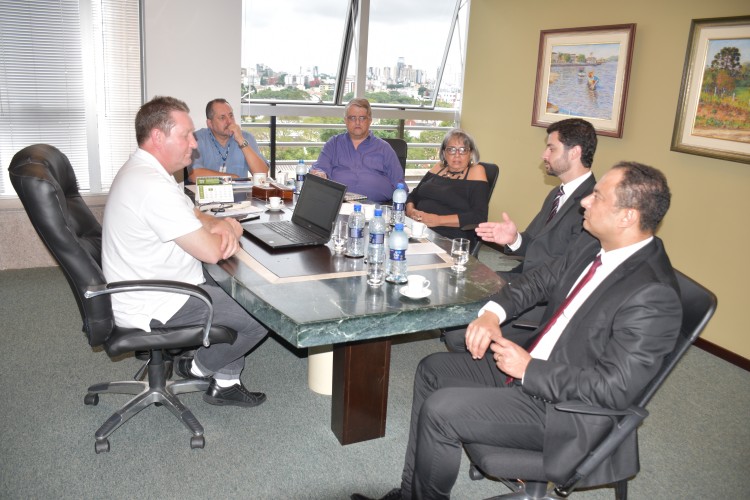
{"x":455,"y":193}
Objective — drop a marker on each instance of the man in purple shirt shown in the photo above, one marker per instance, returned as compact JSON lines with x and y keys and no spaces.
{"x":364,"y":163}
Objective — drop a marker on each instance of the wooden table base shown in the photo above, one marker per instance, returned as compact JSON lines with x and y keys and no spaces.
{"x":359,"y":399}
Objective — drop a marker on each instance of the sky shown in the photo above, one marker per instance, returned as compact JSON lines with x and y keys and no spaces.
{"x":598,"y":50}
{"x":294,"y":33}
{"x":715,"y":46}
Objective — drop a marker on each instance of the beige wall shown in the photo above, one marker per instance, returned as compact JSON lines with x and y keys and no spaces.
{"x":192,"y":52}
{"x":706,"y":230}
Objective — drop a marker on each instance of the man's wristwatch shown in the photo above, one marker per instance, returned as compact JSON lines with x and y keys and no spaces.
{"x":244,"y":145}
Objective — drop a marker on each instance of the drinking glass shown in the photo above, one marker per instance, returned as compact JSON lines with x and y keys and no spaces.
{"x":340,"y":232}
{"x":460,"y":254}
{"x":387,"y":216}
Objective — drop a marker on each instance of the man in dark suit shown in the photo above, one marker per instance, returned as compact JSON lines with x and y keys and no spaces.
{"x":601,"y":345}
{"x":569,"y":154}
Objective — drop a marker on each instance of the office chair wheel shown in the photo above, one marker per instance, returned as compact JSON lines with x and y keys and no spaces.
{"x":474,"y":473}
{"x":91,"y":399}
{"x":197,"y":442}
{"x":101,"y":446}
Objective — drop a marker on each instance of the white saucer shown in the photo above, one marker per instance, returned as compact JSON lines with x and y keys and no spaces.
{"x":278,"y":209}
{"x":404,"y":290}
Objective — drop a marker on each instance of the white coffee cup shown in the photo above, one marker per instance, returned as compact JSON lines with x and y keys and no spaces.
{"x":417,"y":284}
{"x":274,"y":202}
{"x":369,"y":211}
{"x":259,"y":179}
{"x":417,"y":229}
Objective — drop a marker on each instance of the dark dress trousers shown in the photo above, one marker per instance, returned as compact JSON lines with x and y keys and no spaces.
{"x":609,"y":351}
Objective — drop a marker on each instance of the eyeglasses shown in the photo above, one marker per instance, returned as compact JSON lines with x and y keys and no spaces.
{"x":356,"y":118}
{"x":222,"y":207}
{"x":456,"y":151}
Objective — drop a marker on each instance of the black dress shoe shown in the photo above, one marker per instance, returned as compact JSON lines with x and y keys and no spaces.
{"x":236,"y":395}
{"x":182,"y":368}
{"x":394,"y":494}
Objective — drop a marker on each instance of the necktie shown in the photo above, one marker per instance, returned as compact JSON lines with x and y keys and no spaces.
{"x":586,"y":278}
{"x":555,"y":204}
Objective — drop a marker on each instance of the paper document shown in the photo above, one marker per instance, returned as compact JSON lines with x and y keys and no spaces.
{"x":423,"y":248}
{"x":235,"y":210}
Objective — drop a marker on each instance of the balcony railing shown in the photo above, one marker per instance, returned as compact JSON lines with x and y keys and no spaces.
{"x":275,"y":120}
{"x":415,"y":168}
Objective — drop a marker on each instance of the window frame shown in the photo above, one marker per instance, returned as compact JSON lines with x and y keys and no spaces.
{"x":357,"y":25}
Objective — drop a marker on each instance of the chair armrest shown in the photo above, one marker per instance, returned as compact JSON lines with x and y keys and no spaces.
{"x":580,"y":407}
{"x":525,"y":325}
{"x":631,"y":419}
{"x":161,"y":286}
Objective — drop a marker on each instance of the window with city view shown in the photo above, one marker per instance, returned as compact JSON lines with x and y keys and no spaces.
{"x":302,"y":61}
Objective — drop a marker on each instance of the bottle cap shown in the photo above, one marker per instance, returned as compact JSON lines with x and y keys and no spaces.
{"x":357,"y":207}
{"x":378,"y":212}
{"x":400,"y":185}
{"x":399,"y":226}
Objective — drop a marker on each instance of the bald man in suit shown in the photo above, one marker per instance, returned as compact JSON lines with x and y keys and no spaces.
{"x":603,"y":349}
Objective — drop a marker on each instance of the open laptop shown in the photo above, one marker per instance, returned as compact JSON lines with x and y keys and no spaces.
{"x":313,"y":219}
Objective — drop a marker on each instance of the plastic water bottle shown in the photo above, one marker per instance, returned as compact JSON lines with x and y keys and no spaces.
{"x":398,"y":242}
{"x":376,"y":250}
{"x":299,"y":174}
{"x":355,"y":241}
{"x":399,"y":203}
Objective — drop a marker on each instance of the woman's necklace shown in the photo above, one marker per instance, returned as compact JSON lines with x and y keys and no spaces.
{"x":454,"y":173}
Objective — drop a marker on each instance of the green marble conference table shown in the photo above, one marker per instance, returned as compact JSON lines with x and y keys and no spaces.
{"x":313,"y":297}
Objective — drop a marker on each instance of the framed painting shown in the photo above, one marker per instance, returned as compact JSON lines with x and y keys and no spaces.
{"x":713,"y":112}
{"x":584,"y":73}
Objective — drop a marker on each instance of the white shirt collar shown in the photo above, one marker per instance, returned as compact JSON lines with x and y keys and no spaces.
{"x":570,"y":187}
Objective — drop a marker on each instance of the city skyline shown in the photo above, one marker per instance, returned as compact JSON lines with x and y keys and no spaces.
{"x":396,"y":29}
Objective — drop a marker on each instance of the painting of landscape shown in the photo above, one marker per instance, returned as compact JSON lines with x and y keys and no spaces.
{"x":724,"y":105}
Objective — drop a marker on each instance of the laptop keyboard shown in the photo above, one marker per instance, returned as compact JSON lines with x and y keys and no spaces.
{"x":291,"y":231}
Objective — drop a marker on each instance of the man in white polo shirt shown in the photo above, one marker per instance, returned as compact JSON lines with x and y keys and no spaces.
{"x":151,"y":230}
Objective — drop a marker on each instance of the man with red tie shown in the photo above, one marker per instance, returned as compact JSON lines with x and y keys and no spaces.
{"x":614,"y":313}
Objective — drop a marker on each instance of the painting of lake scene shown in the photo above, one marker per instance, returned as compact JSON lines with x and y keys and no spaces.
{"x":584,"y":72}
{"x":582,"y":80}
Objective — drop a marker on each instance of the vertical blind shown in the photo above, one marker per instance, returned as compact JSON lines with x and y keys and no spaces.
{"x":70,"y":76}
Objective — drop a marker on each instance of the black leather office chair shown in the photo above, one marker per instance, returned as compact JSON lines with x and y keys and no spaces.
{"x":698,"y":305}
{"x":493,"y":172}
{"x":46,"y":184}
{"x":401,"y":148}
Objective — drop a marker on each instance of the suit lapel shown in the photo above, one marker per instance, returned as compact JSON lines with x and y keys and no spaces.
{"x":621,"y":272}
{"x":573,"y":202}
{"x":538,"y":224}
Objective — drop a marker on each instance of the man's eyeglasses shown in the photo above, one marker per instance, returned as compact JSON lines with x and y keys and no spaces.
{"x":456,"y":151}
{"x":356,"y":119}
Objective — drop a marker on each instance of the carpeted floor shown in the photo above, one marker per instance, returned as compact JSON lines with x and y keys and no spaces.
{"x":695,"y":444}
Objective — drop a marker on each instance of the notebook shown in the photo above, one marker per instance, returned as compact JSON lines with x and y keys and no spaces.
{"x":313,"y":219}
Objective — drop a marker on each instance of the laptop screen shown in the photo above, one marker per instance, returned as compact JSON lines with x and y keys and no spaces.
{"x":318,"y":207}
